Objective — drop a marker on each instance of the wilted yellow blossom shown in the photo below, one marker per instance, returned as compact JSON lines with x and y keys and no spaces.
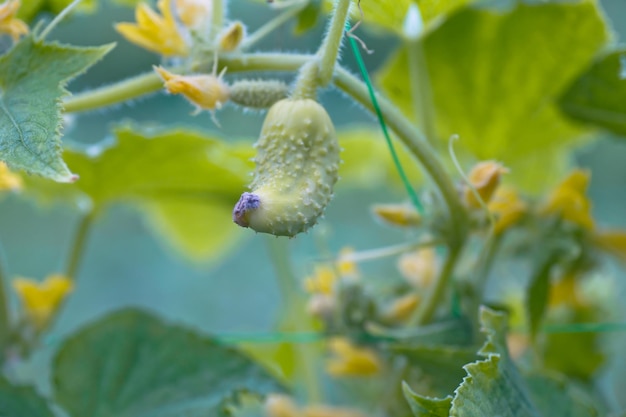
{"x":232,"y":36}
{"x":402,"y":308}
{"x":279,"y":405}
{"x":9,"y":24}
{"x":403,"y":215}
{"x":194,"y":13}
{"x":41,"y":299}
{"x":418,"y":267}
{"x":154,"y":32}
{"x":507,"y":207}
{"x":9,"y":181}
{"x":569,"y":200}
{"x":350,"y":360}
{"x":485,"y":178}
{"x":206,"y":92}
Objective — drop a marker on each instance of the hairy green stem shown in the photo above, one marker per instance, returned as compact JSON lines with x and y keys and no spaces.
{"x":421,"y":91}
{"x":328,"y":52}
{"x":78,"y":246}
{"x":411,"y":137}
{"x":5,"y":317}
{"x":217,"y":19}
{"x":293,"y":303}
{"x":437,"y":292}
{"x":272,"y":25}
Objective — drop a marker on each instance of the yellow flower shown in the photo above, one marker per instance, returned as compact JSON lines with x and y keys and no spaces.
{"x":403,"y":215}
{"x":612,"y":241}
{"x":419,"y":267}
{"x":9,"y":24}
{"x":508,"y":208}
{"x":485,"y":178}
{"x":569,"y":201}
{"x":345,"y":266}
{"x":231,"y":37}
{"x":351,"y":360}
{"x":41,"y":299}
{"x":322,"y":281}
{"x":155,"y":32}
{"x":9,"y":181}
{"x":204,"y":91}
{"x":402,"y":308}
{"x":194,"y":13}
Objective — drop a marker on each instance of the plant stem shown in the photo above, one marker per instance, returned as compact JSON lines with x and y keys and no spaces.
{"x":58,"y":18}
{"x":79,"y":245}
{"x":421,"y":91}
{"x":293,"y":303}
{"x":217,"y":20}
{"x":113,"y":94}
{"x":411,"y":137}
{"x":5,"y":317}
{"x":427,"y":308}
{"x":328,"y":52}
{"x":272,"y":25}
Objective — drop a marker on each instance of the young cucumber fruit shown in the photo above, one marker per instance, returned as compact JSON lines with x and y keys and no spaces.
{"x":296,"y":168}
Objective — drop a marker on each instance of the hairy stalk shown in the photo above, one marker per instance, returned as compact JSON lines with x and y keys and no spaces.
{"x":272,"y":25}
{"x":421,"y":91}
{"x":78,"y":246}
{"x":427,"y":308}
{"x":217,"y":20}
{"x":5,"y":318}
{"x":328,"y":52}
{"x":293,"y":303}
{"x":57,"y":20}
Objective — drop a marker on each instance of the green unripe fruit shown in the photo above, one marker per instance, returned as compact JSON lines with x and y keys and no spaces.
{"x":296,"y":168}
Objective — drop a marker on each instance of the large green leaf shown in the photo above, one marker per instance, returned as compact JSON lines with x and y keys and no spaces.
{"x":18,"y":401}
{"x":495,"y":81}
{"x":598,"y":97}
{"x":131,"y":364}
{"x":494,"y":386}
{"x":186,"y":182}
{"x":32,"y":79}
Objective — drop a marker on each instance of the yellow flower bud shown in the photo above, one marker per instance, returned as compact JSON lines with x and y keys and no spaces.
{"x":194,"y":14}
{"x":41,"y":299}
{"x":569,"y":200}
{"x":322,"y":281}
{"x":401,"y":309}
{"x":612,"y":241}
{"x":232,"y":36}
{"x":507,"y":207}
{"x":485,"y":178}
{"x":206,"y":92}
{"x":9,"y":181}
{"x":279,"y":405}
{"x":351,"y":360}
{"x":9,"y":23}
{"x":345,"y":266}
{"x":403,"y":215}
{"x":419,"y":267}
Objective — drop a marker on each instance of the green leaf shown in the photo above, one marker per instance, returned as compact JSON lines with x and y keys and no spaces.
{"x":598,"y":97}
{"x":132,"y":364}
{"x":562,"y":399}
{"x":32,"y":79}
{"x":18,"y":401}
{"x":187,"y":183}
{"x":538,"y":292}
{"x":426,"y":406}
{"x":308,"y":17}
{"x":495,"y":81}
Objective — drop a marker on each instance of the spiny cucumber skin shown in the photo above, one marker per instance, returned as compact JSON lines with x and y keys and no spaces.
{"x":297,"y":166}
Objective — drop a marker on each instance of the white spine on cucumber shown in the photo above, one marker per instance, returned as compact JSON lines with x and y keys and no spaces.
{"x":296,"y":168}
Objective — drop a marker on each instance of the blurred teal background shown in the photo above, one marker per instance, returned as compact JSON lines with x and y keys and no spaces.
{"x":126,"y":264}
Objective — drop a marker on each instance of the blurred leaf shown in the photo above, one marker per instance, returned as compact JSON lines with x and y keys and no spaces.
{"x":426,"y":406}
{"x":598,"y":97}
{"x":132,"y":364}
{"x":308,"y":17}
{"x":32,"y":80}
{"x":538,"y":292}
{"x":18,"y":401}
{"x":558,"y":398}
{"x":391,"y":14}
{"x":495,"y":80}
{"x":30,"y":8}
{"x":186,"y":182}
{"x":437,"y":370}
